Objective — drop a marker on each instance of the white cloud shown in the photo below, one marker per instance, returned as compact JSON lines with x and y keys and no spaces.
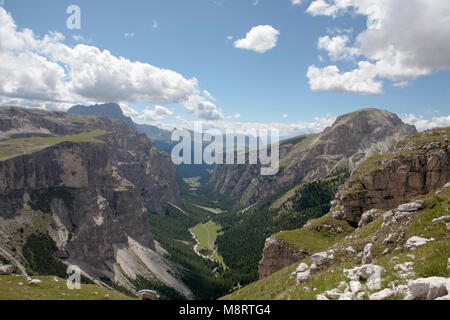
{"x":229,"y":37}
{"x":400,"y":45}
{"x":296,"y":2}
{"x":208,"y":95}
{"x":128,"y":111}
{"x":45,"y":71}
{"x":202,"y":108}
{"x":424,"y":124}
{"x":158,"y":113}
{"x":330,"y":78}
{"x":337,"y":47}
{"x":129,"y":34}
{"x":285,"y":116}
{"x":155,"y":24}
{"x":260,"y":39}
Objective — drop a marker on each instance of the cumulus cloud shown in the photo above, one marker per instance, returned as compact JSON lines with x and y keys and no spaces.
{"x":337,"y":47}
{"x":296,"y":2}
{"x":259,"y":39}
{"x":422,"y":124}
{"x":202,"y":108}
{"x":158,"y":113}
{"x":45,"y":70}
{"x":399,"y":45}
{"x":360,"y":80}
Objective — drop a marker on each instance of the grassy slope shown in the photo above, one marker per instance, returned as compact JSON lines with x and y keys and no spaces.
{"x":429,"y":260}
{"x":49,"y":289}
{"x":16,"y":147}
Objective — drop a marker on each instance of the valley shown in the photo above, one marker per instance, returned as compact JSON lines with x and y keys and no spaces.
{"x":226,"y":233}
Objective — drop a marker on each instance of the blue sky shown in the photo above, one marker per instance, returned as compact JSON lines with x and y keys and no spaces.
{"x":193,"y":39}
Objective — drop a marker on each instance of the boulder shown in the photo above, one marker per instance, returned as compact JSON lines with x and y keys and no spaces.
{"x":6,"y":269}
{"x":347,"y":296}
{"x":416,"y":241}
{"x":412,"y":207}
{"x":356,"y":286}
{"x":367,"y":254}
{"x":428,"y":288}
{"x":368,"y":216}
{"x":148,"y":295}
{"x":333,"y":294}
{"x":323,"y":258}
{"x":350,"y":251}
{"x":365,"y":272}
{"x":303,"y":277}
{"x":381,"y":295}
{"x":302,"y":267}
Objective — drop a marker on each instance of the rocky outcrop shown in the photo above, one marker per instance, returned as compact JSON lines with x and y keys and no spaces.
{"x":277,"y":255}
{"x":98,"y":191}
{"x":351,"y":139}
{"x":415,"y":167}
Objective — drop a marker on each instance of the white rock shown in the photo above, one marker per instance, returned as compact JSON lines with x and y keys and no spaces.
{"x":356,"y":286}
{"x":367,"y":255}
{"x":34,"y":281}
{"x":303,"y":277}
{"x":321,"y":297}
{"x":368,"y":216}
{"x":415,"y":242}
{"x":6,"y":269}
{"x":302,"y":267}
{"x":333,"y":294}
{"x":443,"y":218}
{"x":313,"y":268}
{"x":428,"y":288}
{"x":412,"y":207}
{"x":350,"y":251}
{"x":447,"y":185}
{"x":322,"y":258}
{"x":381,"y":295}
{"x":385,"y":251}
{"x":347,"y":296}
{"x":148,"y":295}
{"x":365,"y":272}
{"x":387,"y":216}
{"x":402,"y":215}
{"x":360,"y":296}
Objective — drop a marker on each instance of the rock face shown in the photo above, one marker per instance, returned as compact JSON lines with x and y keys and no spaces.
{"x":417,"y":166}
{"x":352,"y":138}
{"x":6,"y":270}
{"x":98,"y":191}
{"x":278,"y":255}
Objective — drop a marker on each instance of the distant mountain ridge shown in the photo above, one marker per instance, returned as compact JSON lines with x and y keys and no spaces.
{"x":352,"y":138}
{"x":160,"y":138}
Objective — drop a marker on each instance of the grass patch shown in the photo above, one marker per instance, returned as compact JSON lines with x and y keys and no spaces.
{"x":49,"y":289}
{"x":206,"y":235}
{"x":316,"y":235}
{"x":16,"y":147}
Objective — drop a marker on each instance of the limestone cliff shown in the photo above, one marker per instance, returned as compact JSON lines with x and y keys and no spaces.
{"x":277,"y":255}
{"x":415,"y":167}
{"x":98,"y":180}
{"x":351,"y":139}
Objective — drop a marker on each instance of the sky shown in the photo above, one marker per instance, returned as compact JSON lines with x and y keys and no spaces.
{"x":294,"y":65}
